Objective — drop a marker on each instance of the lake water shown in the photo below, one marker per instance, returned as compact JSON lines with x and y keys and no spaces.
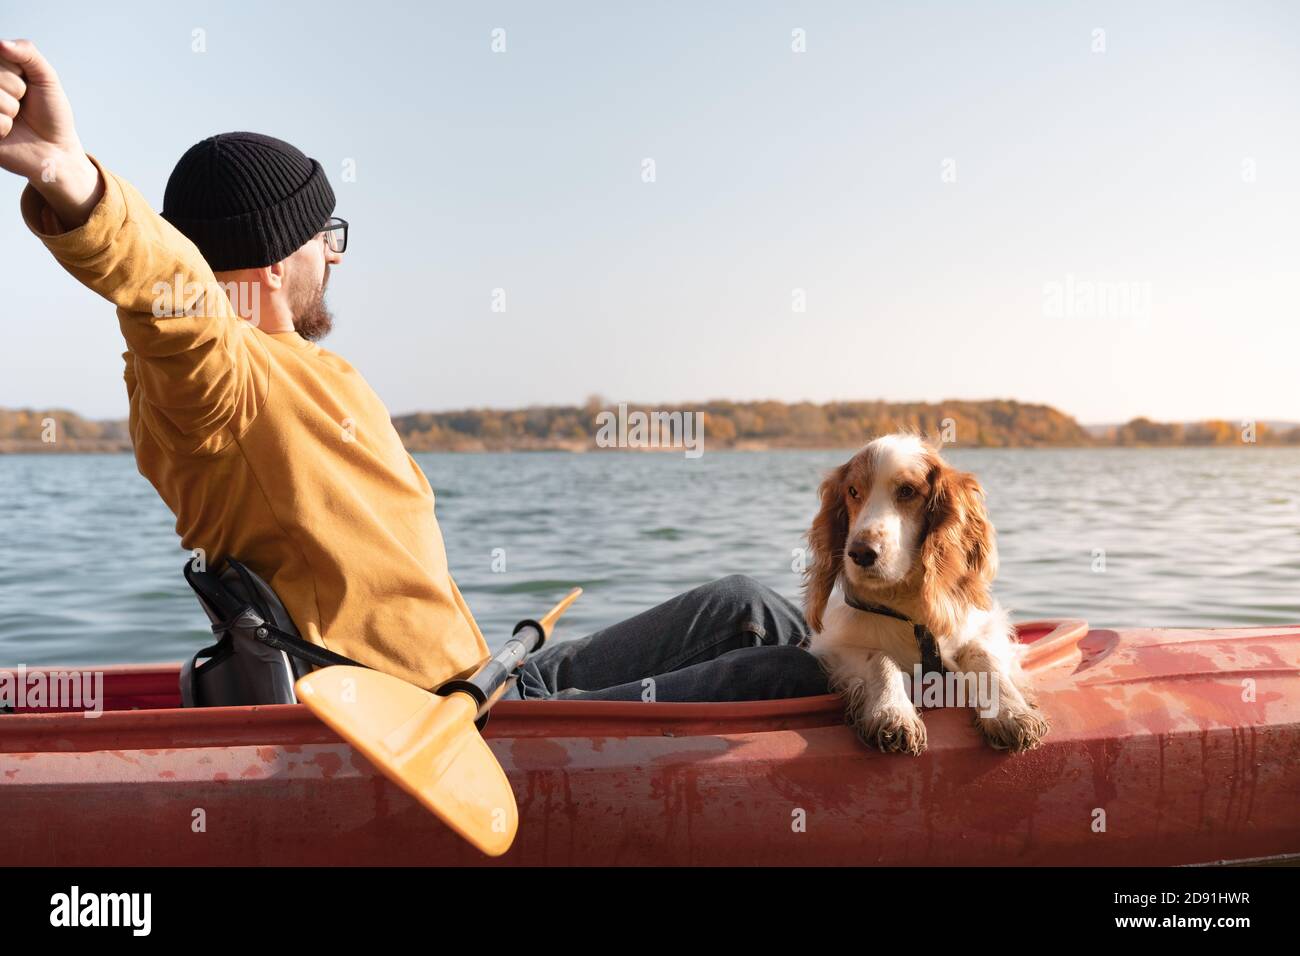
{"x":90,"y":563}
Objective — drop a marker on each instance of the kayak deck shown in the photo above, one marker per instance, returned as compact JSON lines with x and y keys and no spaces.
{"x":1154,"y":741}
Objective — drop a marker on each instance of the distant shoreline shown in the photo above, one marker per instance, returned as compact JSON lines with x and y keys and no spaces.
{"x":46,"y":452}
{"x":713,"y":425}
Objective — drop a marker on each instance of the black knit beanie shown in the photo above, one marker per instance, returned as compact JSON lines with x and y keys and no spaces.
{"x":247,"y":200}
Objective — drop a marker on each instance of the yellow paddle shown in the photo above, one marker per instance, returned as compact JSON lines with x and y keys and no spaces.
{"x":428,"y":744}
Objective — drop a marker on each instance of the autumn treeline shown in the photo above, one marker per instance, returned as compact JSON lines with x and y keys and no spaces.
{"x":740,"y":425}
{"x":25,"y":429}
{"x":749,"y":425}
{"x":1143,"y":431}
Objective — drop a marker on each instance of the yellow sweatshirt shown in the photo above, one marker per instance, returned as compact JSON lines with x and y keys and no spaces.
{"x":269,"y":449}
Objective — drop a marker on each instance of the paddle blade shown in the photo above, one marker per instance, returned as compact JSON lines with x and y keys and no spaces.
{"x":425,"y":744}
{"x":550,"y":617}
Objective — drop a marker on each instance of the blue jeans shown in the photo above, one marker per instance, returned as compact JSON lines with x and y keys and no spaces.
{"x":732,"y":639}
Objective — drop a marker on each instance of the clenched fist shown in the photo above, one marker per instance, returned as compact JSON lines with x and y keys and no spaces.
{"x":37,"y":138}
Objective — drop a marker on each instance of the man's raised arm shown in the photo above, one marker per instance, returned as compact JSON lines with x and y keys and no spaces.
{"x":192,"y":365}
{"x":39,"y":141}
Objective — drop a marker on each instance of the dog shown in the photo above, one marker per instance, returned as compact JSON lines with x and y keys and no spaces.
{"x":903,"y":556}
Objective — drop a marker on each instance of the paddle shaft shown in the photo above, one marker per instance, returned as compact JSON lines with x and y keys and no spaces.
{"x":489,"y":682}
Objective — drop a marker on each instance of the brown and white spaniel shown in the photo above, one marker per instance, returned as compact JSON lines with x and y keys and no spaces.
{"x":903,"y":557}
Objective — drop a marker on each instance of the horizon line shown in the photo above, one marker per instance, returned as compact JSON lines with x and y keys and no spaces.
{"x":605,"y":403}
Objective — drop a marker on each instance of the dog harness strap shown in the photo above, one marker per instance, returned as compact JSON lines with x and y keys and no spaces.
{"x":931,"y":662}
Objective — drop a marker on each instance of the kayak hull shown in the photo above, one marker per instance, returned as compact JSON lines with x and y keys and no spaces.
{"x":1167,"y":747}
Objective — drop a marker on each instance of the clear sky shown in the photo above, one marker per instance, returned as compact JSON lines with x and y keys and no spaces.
{"x":947,"y":184}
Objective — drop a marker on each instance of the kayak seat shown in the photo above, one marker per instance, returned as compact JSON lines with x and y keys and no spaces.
{"x":259,"y":654}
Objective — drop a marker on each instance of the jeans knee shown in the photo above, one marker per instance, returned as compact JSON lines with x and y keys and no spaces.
{"x":769,"y":615}
{"x":739,"y":587}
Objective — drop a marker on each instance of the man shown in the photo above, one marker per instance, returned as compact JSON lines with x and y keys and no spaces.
{"x":270,"y":449}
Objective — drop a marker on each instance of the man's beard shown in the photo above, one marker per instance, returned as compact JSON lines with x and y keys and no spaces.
{"x":311,"y":316}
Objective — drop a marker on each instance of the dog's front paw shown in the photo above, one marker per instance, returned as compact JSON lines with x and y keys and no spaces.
{"x":1014,"y":729}
{"x":893,"y":730}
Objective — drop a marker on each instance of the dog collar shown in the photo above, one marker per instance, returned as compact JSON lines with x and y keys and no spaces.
{"x":931,"y":662}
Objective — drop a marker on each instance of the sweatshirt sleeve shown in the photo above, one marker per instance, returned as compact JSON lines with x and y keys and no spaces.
{"x":200,"y":372}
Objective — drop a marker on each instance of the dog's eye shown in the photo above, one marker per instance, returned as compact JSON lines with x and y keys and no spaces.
{"x":853,"y":492}
{"x":906,"y":492}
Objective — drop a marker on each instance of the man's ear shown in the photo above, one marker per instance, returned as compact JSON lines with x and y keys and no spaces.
{"x":272,"y":277}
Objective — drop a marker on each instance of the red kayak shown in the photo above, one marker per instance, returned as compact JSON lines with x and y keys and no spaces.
{"x":1167,"y":747}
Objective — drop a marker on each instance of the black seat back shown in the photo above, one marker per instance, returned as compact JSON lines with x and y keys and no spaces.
{"x":259,"y":653}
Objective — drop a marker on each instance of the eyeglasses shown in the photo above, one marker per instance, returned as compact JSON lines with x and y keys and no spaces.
{"x":336,"y":234}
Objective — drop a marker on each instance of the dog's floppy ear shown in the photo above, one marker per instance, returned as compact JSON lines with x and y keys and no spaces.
{"x":959,"y":554}
{"x":826,"y":539}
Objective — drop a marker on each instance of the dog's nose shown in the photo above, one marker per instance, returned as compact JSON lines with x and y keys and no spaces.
{"x":863,"y":555}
